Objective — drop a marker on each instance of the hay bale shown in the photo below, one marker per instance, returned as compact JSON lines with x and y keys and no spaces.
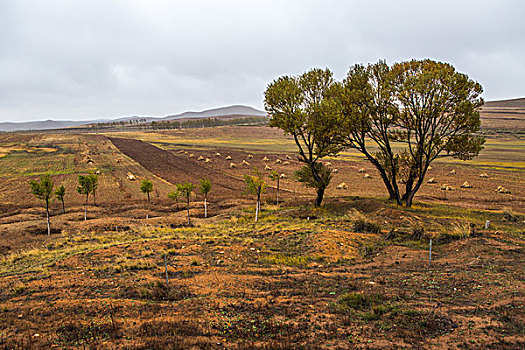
{"x":328,"y":164}
{"x":429,"y":168}
{"x":228,"y":158}
{"x":366,"y":176}
{"x":207,"y":160}
{"x":181,"y":151}
{"x":466,"y":185}
{"x":97,"y":172}
{"x":288,"y":157}
{"x":244,"y":162}
{"x":278,"y":161}
{"x":502,"y":189}
{"x":192,"y":155}
{"x":484,"y":175}
{"x":432,"y":181}
{"x":119,"y":160}
{"x":286,"y":162}
{"x":267,"y":168}
{"x":446,"y":187}
{"x":283,"y":176}
{"x":265,"y":159}
{"x":200,"y":158}
{"x":342,"y":186}
{"x":233,"y":165}
{"x":130,"y":176}
{"x":249,"y":156}
{"x":217,"y":154}
{"x":335,"y":171}
{"x":452,"y":172}
{"x":361,"y":171}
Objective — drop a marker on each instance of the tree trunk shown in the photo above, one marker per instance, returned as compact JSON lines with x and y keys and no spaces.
{"x":188,"y":208}
{"x":257,"y":206}
{"x":320,"y":195}
{"x":277,"y":190}
{"x":205,"y":207}
{"x":148,"y":196}
{"x":63,"y":206}
{"x":47,"y":218}
{"x":94,"y":198}
{"x":410,"y":195}
{"x":85,"y":208}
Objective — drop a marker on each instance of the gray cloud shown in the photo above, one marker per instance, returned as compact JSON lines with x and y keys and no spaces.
{"x":92,"y":59}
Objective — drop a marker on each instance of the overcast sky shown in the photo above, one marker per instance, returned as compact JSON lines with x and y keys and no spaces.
{"x":76,"y":59}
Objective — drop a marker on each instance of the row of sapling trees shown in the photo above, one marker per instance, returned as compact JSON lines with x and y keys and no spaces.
{"x":400,"y":117}
{"x":43,"y":190}
{"x":88,"y":184}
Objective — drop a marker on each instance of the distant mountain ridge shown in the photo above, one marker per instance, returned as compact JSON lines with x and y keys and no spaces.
{"x":234,"y":110}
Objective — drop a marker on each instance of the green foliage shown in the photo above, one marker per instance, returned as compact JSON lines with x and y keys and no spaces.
{"x":306,"y":108}
{"x":60,"y":192}
{"x":425,"y":106}
{"x":185,"y":190}
{"x":85,"y":186}
{"x":43,"y":189}
{"x":356,"y":301}
{"x":205,"y":186}
{"x":305,"y":175}
{"x":175,"y":195}
{"x":146,"y":186}
{"x":255,"y":183}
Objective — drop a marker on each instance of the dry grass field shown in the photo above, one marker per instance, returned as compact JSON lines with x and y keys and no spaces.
{"x":352,"y":274}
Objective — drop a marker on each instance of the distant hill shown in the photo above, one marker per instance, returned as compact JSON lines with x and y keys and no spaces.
{"x":220,"y":112}
{"x":514,"y":103}
{"x":229,"y":111}
{"x":504,"y":115}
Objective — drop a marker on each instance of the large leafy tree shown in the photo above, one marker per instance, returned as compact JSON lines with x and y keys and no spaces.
{"x":43,"y":190}
{"x":305,"y":108}
{"x":404,"y":117}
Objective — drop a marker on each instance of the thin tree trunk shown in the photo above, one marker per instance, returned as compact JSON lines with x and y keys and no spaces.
{"x":277,"y":190}
{"x":85,"y":208}
{"x":94,"y":198}
{"x":257,"y":205}
{"x":47,"y":218}
{"x":148,"y":196}
{"x":188,"y":207}
{"x":63,"y":206}
{"x":205,"y":207}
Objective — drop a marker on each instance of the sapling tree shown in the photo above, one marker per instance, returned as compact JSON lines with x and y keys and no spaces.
{"x":85,"y":187}
{"x":94,"y":185}
{"x":175,"y":195}
{"x":275,"y":176}
{"x":43,"y":190}
{"x":146,"y":186}
{"x":60,"y":193}
{"x":185,"y":190}
{"x":204,"y":188}
{"x":255,"y":184}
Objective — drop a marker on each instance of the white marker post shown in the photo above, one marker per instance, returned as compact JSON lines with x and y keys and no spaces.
{"x":430,"y":254}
